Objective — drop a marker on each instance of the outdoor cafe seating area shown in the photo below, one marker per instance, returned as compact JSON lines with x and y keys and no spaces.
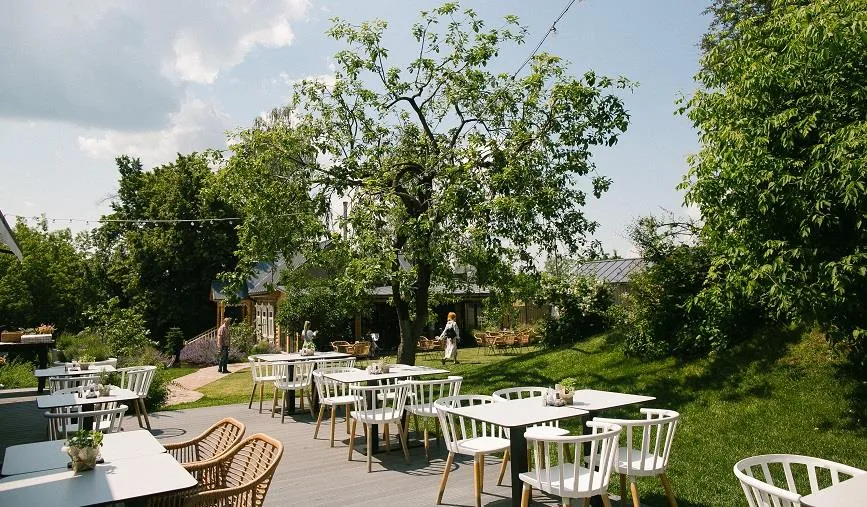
{"x":338,"y":419}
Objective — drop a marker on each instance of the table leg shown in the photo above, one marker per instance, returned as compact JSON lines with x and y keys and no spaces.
{"x":43,"y":363}
{"x":290,"y":408}
{"x":518,"y":450}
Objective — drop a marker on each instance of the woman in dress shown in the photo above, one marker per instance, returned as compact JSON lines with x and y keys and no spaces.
{"x":452,"y":335}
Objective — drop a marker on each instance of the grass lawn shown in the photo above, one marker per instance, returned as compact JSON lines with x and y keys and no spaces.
{"x":777,"y":394}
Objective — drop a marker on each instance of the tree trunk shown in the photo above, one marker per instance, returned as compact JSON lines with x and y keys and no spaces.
{"x":410,"y":329}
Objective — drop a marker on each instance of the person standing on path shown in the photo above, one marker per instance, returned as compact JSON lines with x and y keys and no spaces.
{"x":452,"y":335}
{"x":223,"y":341}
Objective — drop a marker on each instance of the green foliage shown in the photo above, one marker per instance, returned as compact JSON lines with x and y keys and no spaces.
{"x":263,"y":347}
{"x":163,"y":269}
{"x":581,"y":305}
{"x":74,"y":346}
{"x":779,"y":179}
{"x":174,"y":340}
{"x":123,"y":329}
{"x":53,"y":283}
{"x":16,"y":374}
{"x":85,"y":438}
{"x":447,"y":162}
{"x":243,"y":337}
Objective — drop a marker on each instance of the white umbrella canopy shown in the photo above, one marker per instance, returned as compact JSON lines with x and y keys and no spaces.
{"x":7,"y":240}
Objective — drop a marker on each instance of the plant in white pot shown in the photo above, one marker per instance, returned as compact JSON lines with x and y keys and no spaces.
{"x":567,"y":387}
{"x":83,"y":449}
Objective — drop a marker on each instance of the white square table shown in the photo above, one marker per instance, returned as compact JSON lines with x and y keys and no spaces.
{"x":852,"y":491}
{"x":403,"y":371}
{"x":46,"y":455}
{"x":296,"y":357}
{"x":593,"y":400}
{"x":517,"y":415}
{"x":115,"y":481}
{"x":61,"y":371}
{"x":73,"y":400}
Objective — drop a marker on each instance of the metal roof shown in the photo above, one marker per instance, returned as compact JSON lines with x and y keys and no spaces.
{"x":611,"y":270}
{"x":7,"y":239}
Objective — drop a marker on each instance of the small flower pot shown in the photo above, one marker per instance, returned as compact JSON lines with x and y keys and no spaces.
{"x":83,"y":458}
{"x":104,"y":390}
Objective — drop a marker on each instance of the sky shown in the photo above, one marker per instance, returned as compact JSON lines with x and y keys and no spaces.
{"x":88,"y":80}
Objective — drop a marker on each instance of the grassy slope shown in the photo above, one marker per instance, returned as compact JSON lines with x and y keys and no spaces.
{"x":779,"y":394}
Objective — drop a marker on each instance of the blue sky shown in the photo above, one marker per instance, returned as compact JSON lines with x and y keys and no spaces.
{"x":93,"y":79}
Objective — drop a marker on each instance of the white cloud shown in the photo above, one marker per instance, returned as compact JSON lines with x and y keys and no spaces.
{"x":126,"y":64}
{"x":195,"y":127}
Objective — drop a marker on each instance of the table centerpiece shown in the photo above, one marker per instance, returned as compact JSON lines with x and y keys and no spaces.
{"x":83,"y":449}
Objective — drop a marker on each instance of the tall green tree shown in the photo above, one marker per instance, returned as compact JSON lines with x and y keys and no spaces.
{"x":446,"y":162}
{"x":160,"y":265}
{"x":780,"y":178}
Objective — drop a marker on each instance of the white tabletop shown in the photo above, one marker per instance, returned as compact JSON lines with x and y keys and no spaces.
{"x":70,"y":400}
{"x":351,"y":377}
{"x":593,"y":400}
{"x":60,"y":371}
{"x":46,"y":455}
{"x":116,"y":481}
{"x":849,"y":492}
{"x":515,"y":413}
{"x":296,"y":357}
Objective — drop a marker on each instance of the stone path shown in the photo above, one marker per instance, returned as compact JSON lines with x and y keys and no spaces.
{"x":183,"y":389}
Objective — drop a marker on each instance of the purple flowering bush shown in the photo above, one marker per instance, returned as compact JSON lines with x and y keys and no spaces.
{"x":205,"y":351}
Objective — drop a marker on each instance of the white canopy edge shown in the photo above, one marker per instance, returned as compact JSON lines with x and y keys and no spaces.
{"x":6,"y":238}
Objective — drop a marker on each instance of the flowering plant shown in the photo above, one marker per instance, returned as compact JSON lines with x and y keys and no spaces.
{"x":85,"y":438}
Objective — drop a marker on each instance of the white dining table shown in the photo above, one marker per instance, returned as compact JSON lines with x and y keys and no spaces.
{"x":49,"y":401}
{"x":113,"y":481}
{"x":295,"y":357}
{"x":46,"y":455}
{"x":852,"y":491}
{"x":62,"y":371}
{"x":517,"y":415}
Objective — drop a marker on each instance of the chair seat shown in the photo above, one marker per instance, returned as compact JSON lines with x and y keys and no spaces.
{"x":269,"y":378}
{"x":638,"y":467}
{"x":421,"y":410}
{"x":545,"y":431}
{"x":483,"y":445}
{"x":290,"y":386}
{"x":346,"y":399}
{"x":374,"y":416}
{"x":571,"y":487}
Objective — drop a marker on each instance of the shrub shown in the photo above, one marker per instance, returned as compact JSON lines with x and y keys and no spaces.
{"x":16,"y":374}
{"x":243,"y":338}
{"x":263,"y":347}
{"x":122,"y":328}
{"x":204,"y":351}
{"x":74,"y":346}
{"x":581,"y":304}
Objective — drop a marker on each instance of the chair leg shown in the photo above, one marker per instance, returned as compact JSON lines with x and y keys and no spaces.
{"x":585,"y":503}
{"x":333,"y":410}
{"x":144,"y":413}
{"x":633,"y":488}
{"x":301,"y":398}
{"x":351,"y":439}
{"x":385,"y":438}
{"x":283,"y":409}
{"x":623,"y":493}
{"x":605,"y":500}
{"x":138,"y":413}
{"x":445,"y":478}
{"x":525,"y":495}
{"x":668,"y":491}
{"x":426,"y":444}
{"x":252,"y":395}
{"x":274,"y":403}
{"x":319,"y":421}
{"x":261,"y":395}
{"x":503,"y":467}
{"x":402,"y":435}
{"x":481,"y":473}
{"x":477,"y":490}
{"x":369,"y":432}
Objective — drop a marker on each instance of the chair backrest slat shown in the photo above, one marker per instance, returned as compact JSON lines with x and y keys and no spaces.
{"x":648,"y":440}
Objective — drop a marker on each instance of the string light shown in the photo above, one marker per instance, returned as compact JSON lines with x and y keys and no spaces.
{"x":552,"y":29}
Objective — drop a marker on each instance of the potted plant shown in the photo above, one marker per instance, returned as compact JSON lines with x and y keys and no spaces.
{"x":83,"y":449}
{"x":105,"y":381}
{"x":84,"y":361}
{"x":567,"y":387}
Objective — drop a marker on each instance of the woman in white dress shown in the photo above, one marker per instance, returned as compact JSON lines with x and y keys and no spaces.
{"x":452,"y":336}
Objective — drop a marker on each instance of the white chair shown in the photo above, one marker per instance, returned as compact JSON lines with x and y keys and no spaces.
{"x":559,"y":471}
{"x":56,"y":384}
{"x":138,"y":379}
{"x":62,"y":422}
{"x":302,"y":372}
{"x":648,"y":446}
{"x":551,"y":429}
{"x":264,"y":372}
{"x":333,"y":394}
{"x":423,"y":394}
{"x":757,"y":473}
{"x":378,"y":405}
{"x":470,"y":438}
{"x":341,"y":362}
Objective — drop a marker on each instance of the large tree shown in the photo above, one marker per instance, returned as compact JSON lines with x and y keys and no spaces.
{"x":156,"y":259}
{"x":445,"y":162}
{"x":780,"y":178}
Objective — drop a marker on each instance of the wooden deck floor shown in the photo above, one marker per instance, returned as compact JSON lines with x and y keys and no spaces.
{"x":311,"y":473}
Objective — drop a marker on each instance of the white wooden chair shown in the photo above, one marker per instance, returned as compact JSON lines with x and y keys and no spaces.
{"x":62,"y":422}
{"x":60,"y":383}
{"x":138,"y":379}
{"x":420,"y":403}
{"x":769,"y":480}
{"x":559,"y":469}
{"x":471,"y":438}
{"x":648,"y":446}
{"x":264,"y":372}
{"x":382,"y":405}
{"x":302,"y":372}
{"x":340,"y":362}
{"x":551,"y":429}
{"x":333,"y":394}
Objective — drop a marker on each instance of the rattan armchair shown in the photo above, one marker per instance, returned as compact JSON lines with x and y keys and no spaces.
{"x":241,"y":476}
{"x":212,"y":443}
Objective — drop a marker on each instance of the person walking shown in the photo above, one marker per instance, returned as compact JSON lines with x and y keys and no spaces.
{"x":223,"y":341}
{"x":452,"y":335}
